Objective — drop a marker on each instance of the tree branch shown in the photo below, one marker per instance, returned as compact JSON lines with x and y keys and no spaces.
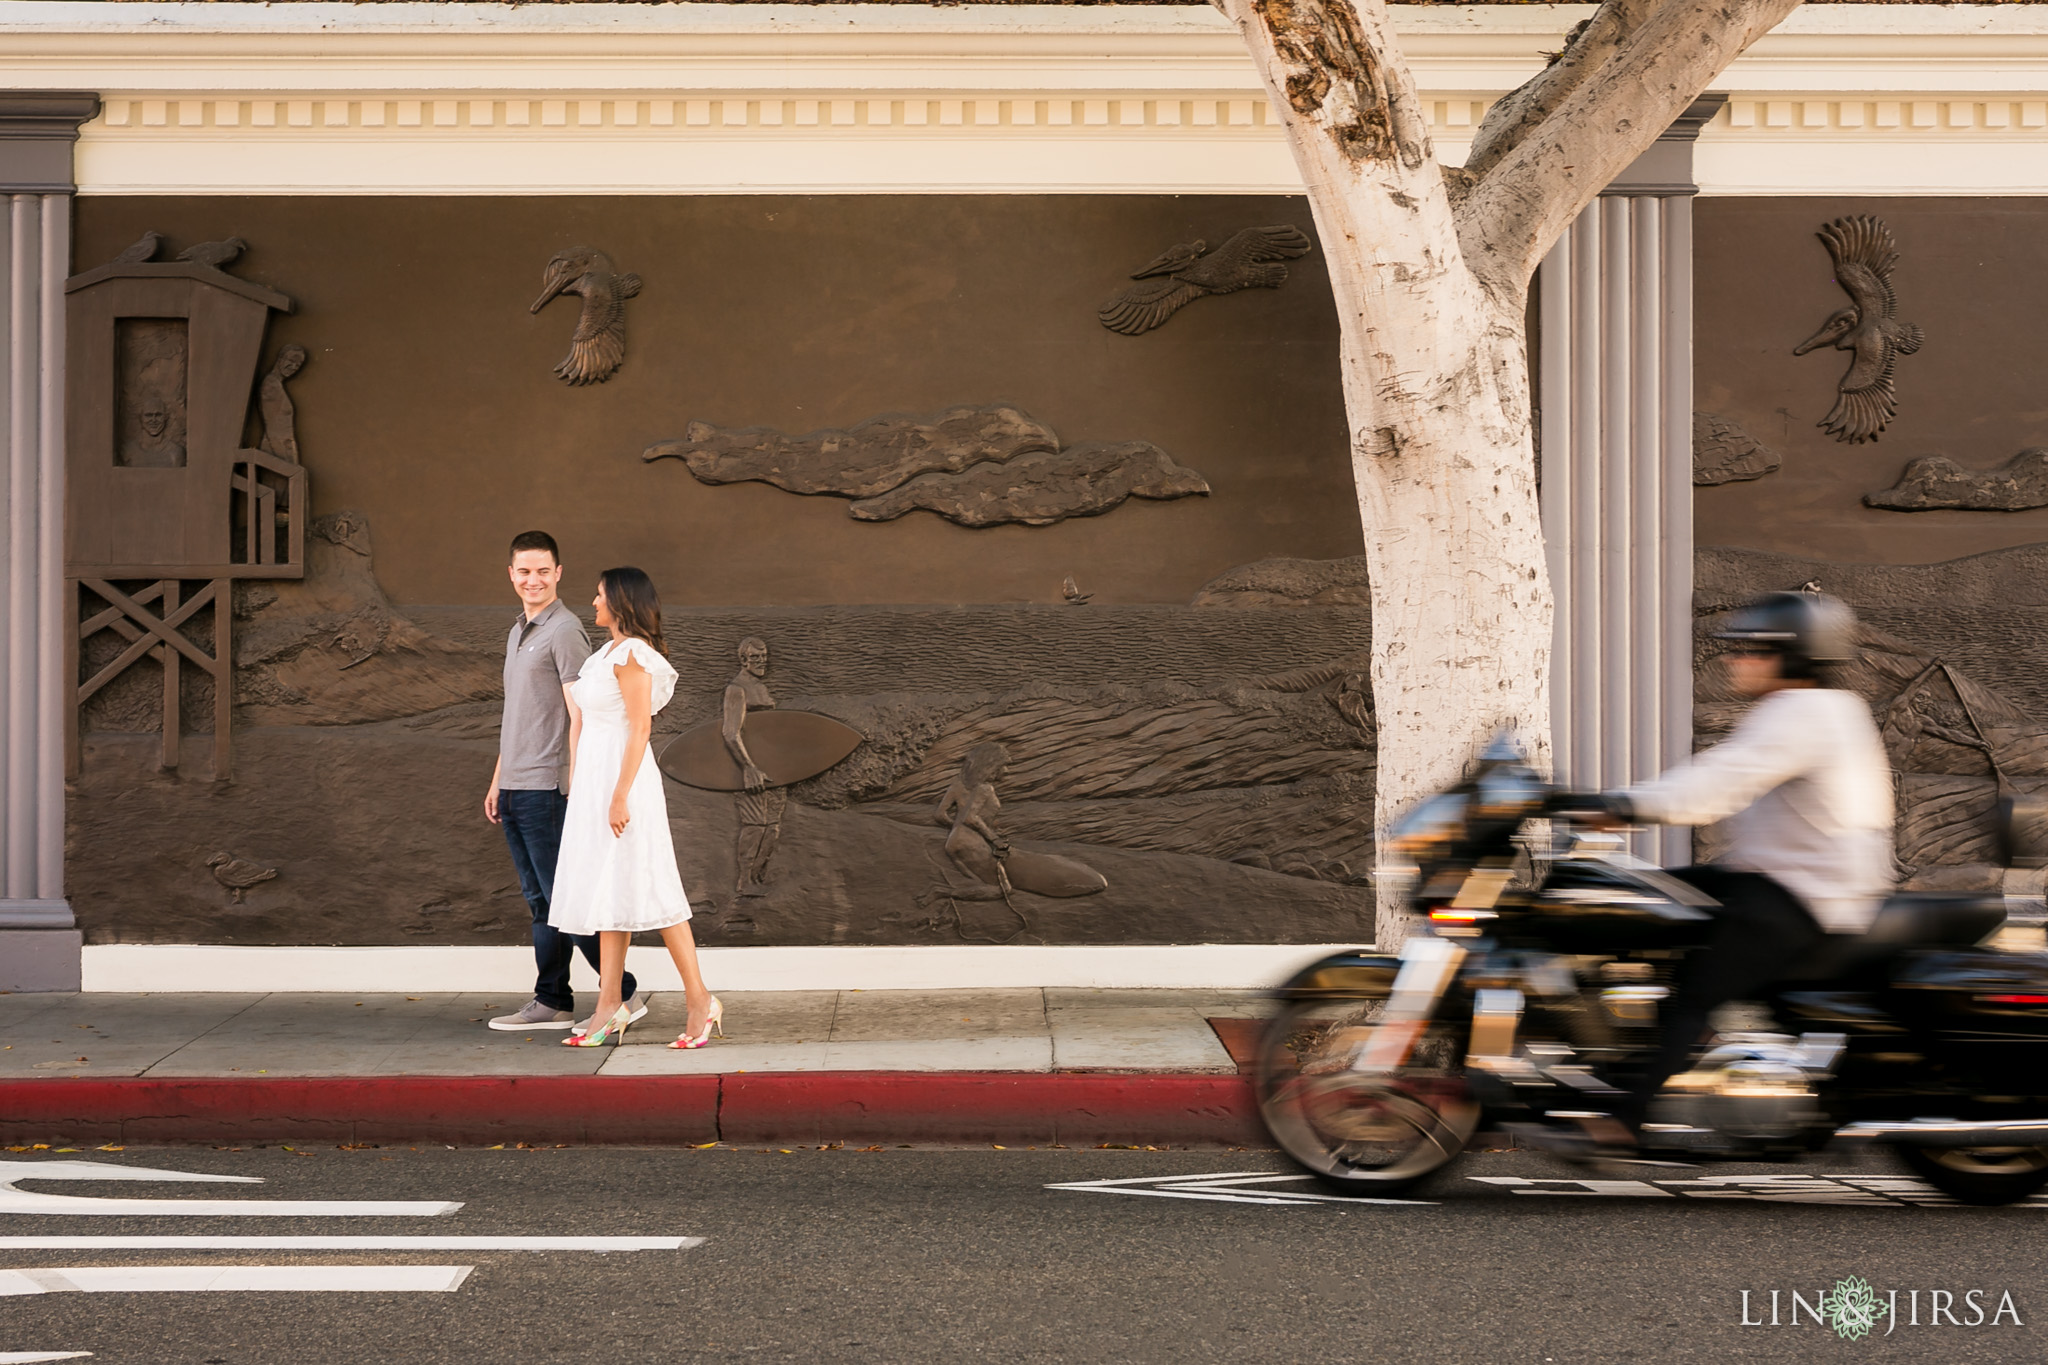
{"x":1520,"y":112}
{"x":1538,"y":182}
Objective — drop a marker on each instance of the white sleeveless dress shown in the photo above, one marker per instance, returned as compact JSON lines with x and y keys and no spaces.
{"x":627,"y":881}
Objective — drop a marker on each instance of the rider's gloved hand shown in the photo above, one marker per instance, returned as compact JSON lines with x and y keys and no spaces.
{"x":1594,"y":810}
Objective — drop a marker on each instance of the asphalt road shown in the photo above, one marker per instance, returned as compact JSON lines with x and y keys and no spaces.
{"x":910,"y":1256}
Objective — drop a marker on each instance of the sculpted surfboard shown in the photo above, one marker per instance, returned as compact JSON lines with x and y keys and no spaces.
{"x":789,"y":746}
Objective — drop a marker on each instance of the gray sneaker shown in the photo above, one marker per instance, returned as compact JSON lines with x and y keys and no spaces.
{"x":535,"y":1015}
{"x":636,"y":1010}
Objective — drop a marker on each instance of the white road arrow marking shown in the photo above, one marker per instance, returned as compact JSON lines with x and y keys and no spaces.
{"x":1224,"y":1188}
{"x":26,"y":1357}
{"x":1627,"y":1189}
{"x":187,"y":1279}
{"x":13,"y":1200}
{"x":1866,"y":1191}
{"x":399,"y":1243}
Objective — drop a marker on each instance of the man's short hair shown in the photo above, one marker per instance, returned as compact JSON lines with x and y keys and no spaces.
{"x":534,"y":540}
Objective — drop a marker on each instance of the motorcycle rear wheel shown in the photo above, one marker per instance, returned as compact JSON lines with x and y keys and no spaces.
{"x":1378,"y":1134}
{"x":1980,"y":1175}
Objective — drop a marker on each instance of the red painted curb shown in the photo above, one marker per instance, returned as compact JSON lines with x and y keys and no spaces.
{"x":1011,"y":1108}
{"x":465,"y":1110}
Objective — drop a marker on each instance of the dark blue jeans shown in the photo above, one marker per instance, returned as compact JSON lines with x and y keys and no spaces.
{"x":532,"y":821}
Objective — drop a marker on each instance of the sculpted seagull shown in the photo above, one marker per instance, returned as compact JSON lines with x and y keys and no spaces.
{"x":1185,"y":273}
{"x":143,"y":249}
{"x":599,"y":344}
{"x":1864,"y":254}
{"x":215,"y":254}
{"x":238,"y":874}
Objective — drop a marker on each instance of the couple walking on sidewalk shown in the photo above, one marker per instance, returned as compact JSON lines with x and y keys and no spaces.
{"x":580,"y":800}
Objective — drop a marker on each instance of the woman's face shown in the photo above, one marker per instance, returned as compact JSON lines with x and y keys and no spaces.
{"x":603,"y":609}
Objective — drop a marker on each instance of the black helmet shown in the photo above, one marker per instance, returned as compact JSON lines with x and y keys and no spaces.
{"x":1809,"y":630}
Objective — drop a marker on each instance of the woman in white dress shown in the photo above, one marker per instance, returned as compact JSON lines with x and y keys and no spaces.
{"x":617,"y":873}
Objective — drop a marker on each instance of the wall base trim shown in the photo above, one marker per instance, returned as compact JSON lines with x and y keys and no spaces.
{"x":143,"y":967}
{"x":39,"y":959}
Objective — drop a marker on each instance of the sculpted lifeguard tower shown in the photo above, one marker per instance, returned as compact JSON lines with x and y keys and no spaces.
{"x":166,"y":502}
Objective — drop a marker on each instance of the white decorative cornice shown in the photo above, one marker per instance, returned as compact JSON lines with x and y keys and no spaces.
{"x":695,"y":98}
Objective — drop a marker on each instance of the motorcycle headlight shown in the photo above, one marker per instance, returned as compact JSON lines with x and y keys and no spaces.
{"x":1429,"y":827}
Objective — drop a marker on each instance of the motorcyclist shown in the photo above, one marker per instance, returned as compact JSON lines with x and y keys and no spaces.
{"x":1805,"y":788}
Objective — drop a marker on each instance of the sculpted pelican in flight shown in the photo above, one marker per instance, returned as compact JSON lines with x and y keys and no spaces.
{"x":1864,"y":255}
{"x":599,"y":344}
{"x":1185,"y":273}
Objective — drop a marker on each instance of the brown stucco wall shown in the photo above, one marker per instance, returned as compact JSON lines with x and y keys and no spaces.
{"x":429,"y":404}
{"x":1969,"y":274}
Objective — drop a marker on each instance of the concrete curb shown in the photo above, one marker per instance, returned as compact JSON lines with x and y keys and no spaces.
{"x":808,"y":1107}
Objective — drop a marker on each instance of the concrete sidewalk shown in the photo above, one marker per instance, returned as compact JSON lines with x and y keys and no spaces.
{"x":50,"y":1036}
{"x":1016,"y":1067}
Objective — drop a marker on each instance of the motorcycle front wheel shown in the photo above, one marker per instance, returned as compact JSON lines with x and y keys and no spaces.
{"x":1361,"y":1133}
{"x":1980,"y":1175}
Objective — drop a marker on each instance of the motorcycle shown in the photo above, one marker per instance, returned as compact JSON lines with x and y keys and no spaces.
{"x":1534,"y":993}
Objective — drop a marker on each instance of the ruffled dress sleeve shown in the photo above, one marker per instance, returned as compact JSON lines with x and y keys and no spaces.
{"x":658,"y":668}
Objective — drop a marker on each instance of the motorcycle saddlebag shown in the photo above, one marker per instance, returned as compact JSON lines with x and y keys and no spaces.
{"x":1975,"y":993}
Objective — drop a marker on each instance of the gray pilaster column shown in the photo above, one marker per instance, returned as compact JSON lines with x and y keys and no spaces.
{"x":39,"y":940}
{"x":1614,"y":383}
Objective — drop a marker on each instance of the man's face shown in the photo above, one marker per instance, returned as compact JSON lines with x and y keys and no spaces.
{"x":1753,"y":672}
{"x":535,"y":577}
{"x":754,"y":660}
{"x":154,"y":420}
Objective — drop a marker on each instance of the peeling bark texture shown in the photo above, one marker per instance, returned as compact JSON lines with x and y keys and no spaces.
{"x":1335,"y":76}
{"x":1431,"y":267}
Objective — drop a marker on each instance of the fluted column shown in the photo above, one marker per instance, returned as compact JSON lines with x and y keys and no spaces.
{"x":1614,"y":385}
{"x":39,"y":940}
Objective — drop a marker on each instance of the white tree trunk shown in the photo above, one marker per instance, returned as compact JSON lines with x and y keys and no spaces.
{"x":1461,"y":624}
{"x":1436,"y":386}
{"x":1431,"y":296}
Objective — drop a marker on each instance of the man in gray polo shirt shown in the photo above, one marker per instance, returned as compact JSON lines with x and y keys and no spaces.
{"x":543,"y":654}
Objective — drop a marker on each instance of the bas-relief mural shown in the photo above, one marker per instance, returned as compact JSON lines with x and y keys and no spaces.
{"x":945,"y":774}
{"x":917,"y":774}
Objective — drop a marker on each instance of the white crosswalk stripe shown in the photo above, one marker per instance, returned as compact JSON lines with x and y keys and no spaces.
{"x":204,"y":1279}
{"x":13,"y":1200}
{"x":200,"y":1279}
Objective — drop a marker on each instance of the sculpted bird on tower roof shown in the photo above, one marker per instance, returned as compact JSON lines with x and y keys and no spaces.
{"x":1864,"y":255}
{"x":218,"y":255}
{"x":1190,"y":270}
{"x":598,"y":346}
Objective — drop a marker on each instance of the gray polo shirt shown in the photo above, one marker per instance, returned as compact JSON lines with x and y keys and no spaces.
{"x":542,"y":656}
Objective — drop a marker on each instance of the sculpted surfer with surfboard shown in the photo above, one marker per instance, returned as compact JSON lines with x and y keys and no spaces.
{"x":756,"y":751}
{"x":760,"y":805}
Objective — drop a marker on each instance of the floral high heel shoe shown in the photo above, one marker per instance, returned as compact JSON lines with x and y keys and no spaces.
{"x":714,"y":1020}
{"x":613,"y":1032}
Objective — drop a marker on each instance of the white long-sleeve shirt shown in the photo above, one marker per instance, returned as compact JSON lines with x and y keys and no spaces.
{"x":1806,"y":789}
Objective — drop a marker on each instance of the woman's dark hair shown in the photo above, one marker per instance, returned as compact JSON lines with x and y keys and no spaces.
{"x":630,"y":596}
